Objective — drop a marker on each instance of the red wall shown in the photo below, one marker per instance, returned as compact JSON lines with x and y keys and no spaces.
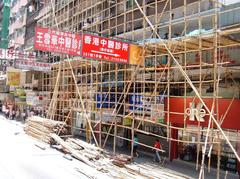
{"x":232,"y":120}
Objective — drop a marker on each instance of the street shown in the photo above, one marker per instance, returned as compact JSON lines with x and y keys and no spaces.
{"x":20,"y":158}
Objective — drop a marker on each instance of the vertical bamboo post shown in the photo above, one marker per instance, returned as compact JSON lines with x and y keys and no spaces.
{"x":133,"y":120}
{"x":219,"y":156}
{"x":132,"y":137}
{"x":200,"y":76}
{"x":168,"y":73}
{"x":169,"y":65}
{"x":101,"y":114}
{"x":115,"y":119}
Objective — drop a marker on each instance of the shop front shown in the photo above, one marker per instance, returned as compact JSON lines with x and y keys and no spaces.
{"x":195,"y":131}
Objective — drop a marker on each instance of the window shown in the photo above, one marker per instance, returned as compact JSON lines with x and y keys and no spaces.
{"x":28,"y":77}
{"x":129,"y":4}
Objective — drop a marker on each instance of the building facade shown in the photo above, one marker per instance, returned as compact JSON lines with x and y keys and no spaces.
{"x":17,"y":28}
{"x":189,"y":44}
{"x":33,"y":13}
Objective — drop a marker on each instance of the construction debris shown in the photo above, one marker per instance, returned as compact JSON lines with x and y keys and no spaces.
{"x":41,"y":128}
{"x":119,"y":166}
{"x":68,"y":157}
{"x":121,"y":160}
{"x":75,"y":153}
{"x":40,"y":146}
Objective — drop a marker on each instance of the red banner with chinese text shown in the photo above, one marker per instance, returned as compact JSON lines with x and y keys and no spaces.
{"x":57,"y":41}
{"x":101,"y":48}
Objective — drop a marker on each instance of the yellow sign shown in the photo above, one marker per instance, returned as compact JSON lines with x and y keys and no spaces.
{"x":127,"y":121}
{"x":13,"y":78}
{"x":137,"y":55}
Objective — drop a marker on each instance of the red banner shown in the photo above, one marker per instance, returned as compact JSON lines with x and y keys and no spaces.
{"x":57,"y":41}
{"x":100,"y":48}
{"x":177,"y":110}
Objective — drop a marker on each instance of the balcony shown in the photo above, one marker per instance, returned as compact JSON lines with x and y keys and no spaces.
{"x":31,"y":17}
{"x":34,"y":12}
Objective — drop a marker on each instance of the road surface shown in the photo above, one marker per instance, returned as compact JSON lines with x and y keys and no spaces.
{"x":20,"y":158}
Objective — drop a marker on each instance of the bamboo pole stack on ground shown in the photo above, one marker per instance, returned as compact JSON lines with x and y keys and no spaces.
{"x":41,"y":128}
{"x":119,"y":166}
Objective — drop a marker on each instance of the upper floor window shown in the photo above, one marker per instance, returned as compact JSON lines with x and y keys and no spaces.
{"x":129,"y":4}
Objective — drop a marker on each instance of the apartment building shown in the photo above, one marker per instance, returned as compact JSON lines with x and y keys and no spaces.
{"x":17,"y":27}
{"x":33,"y":11}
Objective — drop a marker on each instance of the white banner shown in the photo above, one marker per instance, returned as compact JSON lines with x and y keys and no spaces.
{"x":11,"y":54}
{"x":32,"y":65}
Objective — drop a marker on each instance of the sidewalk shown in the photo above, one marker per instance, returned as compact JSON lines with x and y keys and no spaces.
{"x":186,"y":168}
{"x":22,"y":158}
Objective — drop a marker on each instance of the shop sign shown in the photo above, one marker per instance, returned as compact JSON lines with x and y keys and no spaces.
{"x":178,"y":112}
{"x":13,"y":78}
{"x":137,"y":55}
{"x":105,"y":100}
{"x":81,"y":119}
{"x":160,"y":120}
{"x":148,"y":103}
{"x":57,"y":41}
{"x":127,"y":121}
{"x":20,"y":93}
{"x":196,"y":112}
{"x":31,"y":98}
{"x":11,"y":54}
{"x":88,"y":46}
{"x":101,"y":48}
{"x":238,"y":143}
{"x":32,"y":65}
{"x":107,"y":115}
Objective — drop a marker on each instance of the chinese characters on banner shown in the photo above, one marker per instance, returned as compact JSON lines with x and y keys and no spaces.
{"x":11,"y":54}
{"x":88,"y":46}
{"x":100,"y":48}
{"x":32,"y":65}
{"x":57,"y":41}
{"x":148,"y":103}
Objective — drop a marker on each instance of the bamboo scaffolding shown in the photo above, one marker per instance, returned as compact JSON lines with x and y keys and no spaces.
{"x":150,"y":80}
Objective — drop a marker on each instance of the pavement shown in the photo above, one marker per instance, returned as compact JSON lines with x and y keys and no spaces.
{"x":185,"y":168}
{"x":21,"y":157}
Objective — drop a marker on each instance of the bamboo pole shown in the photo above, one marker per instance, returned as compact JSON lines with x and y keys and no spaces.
{"x":190,"y":83}
{"x":124,"y":97}
{"x":82,"y":104}
{"x":67,"y":118}
{"x":219,"y":157}
{"x":55,"y":94}
{"x":115,"y":119}
{"x":170,"y":82}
